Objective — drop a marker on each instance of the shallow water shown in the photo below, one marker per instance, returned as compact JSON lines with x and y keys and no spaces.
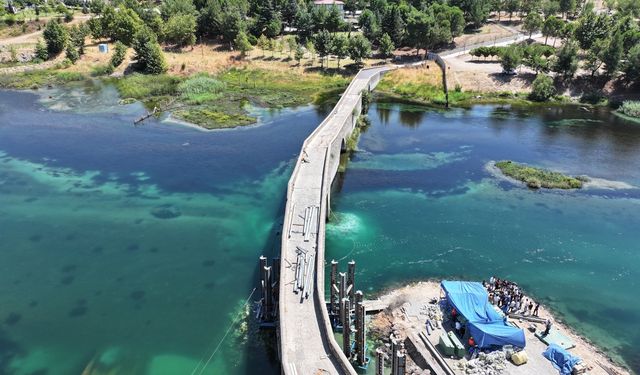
{"x":135,"y":248}
{"x":417,"y":202}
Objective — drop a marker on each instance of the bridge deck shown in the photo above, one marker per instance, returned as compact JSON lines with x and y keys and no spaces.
{"x":306,"y":341}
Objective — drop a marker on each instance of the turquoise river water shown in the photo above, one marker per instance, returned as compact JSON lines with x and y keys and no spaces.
{"x":132,"y":250}
{"x":417,"y":201}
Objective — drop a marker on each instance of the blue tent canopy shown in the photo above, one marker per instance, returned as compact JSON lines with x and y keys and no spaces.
{"x":485,"y":324}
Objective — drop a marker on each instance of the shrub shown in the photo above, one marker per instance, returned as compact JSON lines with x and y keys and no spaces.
{"x":119,"y":52}
{"x":150,"y":59}
{"x":630,"y":108}
{"x":542,"y":89}
{"x":101,"y":70}
{"x":72,"y":53}
{"x":41,"y":51}
{"x":55,"y":36}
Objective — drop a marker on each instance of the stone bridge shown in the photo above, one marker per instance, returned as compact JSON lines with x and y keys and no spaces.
{"x":305,"y":336}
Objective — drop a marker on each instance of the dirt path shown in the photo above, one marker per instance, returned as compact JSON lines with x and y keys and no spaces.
{"x":34,"y":36}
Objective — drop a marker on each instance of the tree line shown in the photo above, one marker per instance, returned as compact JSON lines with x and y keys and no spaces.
{"x":383,"y":24}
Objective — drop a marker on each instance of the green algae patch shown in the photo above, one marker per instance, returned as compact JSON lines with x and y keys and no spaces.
{"x":537,"y":177}
{"x":211,"y":117}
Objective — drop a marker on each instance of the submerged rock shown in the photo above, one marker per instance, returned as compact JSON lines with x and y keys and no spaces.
{"x":166,"y":211}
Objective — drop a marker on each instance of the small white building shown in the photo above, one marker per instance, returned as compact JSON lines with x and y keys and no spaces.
{"x":330,"y":3}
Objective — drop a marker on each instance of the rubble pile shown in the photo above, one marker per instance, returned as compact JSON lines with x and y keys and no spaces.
{"x":433,"y":313}
{"x":494,"y":363}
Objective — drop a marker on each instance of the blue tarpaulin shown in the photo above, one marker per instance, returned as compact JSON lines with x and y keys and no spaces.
{"x":484,"y":323}
{"x":561,"y":359}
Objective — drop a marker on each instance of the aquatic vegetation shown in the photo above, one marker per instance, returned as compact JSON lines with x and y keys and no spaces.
{"x":146,"y":87}
{"x":201,"y":88}
{"x":407,"y":161}
{"x":38,"y":78}
{"x":573,"y":122}
{"x":630,"y":108}
{"x":165,"y":212}
{"x":215,"y":117}
{"x":537,"y":177}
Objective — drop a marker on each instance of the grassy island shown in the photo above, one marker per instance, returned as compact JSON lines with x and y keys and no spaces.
{"x":219,"y":101}
{"x":537,"y":177}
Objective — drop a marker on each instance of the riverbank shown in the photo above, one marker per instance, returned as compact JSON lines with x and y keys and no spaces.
{"x":407,"y":308}
{"x":211,"y":101}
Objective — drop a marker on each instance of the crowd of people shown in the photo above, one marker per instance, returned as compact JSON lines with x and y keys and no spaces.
{"x":509,"y":298}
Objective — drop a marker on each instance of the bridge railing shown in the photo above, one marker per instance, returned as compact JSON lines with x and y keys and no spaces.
{"x":328,"y":173}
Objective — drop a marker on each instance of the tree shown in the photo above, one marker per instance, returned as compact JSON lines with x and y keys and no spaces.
{"x":149,"y":56}
{"x":590,"y":27}
{"x":511,"y":6}
{"x":311,"y":48}
{"x":231,"y":25}
{"x":171,"y":8}
{"x":511,"y":58}
{"x":273,"y":27}
{"x":126,"y":24}
{"x":291,"y":44}
{"x":419,"y":25}
{"x":369,"y":24}
{"x":299,"y":53}
{"x":394,"y":24}
{"x":119,"y":53}
{"x":334,"y":19}
{"x":632,"y":66}
{"x":322,"y":43}
{"x":359,"y":48}
{"x":304,"y":25}
{"x":263,"y":43}
{"x":593,"y":60}
{"x":551,"y":28}
{"x":41,"y":51}
{"x":532,"y":23}
{"x":242,"y":44}
{"x":96,"y":6}
{"x":289,"y":11}
{"x":550,"y":8}
{"x":535,"y":57}
{"x":567,"y":6}
{"x":542,"y":88}
{"x":340,"y":47}
{"x":77,"y":35}
{"x":566,"y":61}
{"x":180,"y":30}
{"x":386,"y":46}
{"x":319,"y":17}
{"x":613,"y":54}
{"x":55,"y":36}
{"x":71,"y":53}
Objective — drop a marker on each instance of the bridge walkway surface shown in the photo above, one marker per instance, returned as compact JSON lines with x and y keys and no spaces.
{"x":306,"y":342}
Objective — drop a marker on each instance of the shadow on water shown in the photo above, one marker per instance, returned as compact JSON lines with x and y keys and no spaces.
{"x":9,"y":351}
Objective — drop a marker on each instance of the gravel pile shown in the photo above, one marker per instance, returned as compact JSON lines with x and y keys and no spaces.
{"x":493,"y":363}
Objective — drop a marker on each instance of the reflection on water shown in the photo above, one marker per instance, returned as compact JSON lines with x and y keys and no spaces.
{"x":132,"y":249}
{"x":454,"y":219}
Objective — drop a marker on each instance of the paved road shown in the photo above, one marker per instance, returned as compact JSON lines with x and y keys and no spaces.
{"x":306,"y":340}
